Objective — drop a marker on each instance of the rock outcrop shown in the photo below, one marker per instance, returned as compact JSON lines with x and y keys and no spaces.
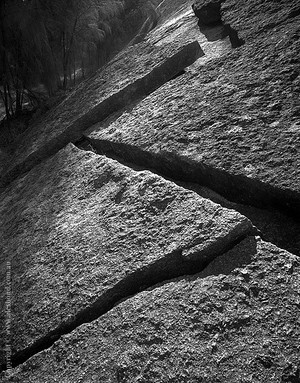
{"x":134,"y":73}
{"x":131,"y":256}
{"x":235,"y":321}
{"x":232,"y":124}
{"x":89,"y":232}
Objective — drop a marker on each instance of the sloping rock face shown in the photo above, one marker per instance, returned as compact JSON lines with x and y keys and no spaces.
{"x":233,"y":123}
{"x":89,"y":231}
{"x":120,"y":275}
{"x":131,"y":75}
{"x":237,"y":321}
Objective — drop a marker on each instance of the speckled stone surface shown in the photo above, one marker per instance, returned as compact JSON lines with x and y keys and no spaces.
{"x":237,"y":114}
{"x":84,"y":231}
{"x":91,"y":240}
{"x":237,"y":321}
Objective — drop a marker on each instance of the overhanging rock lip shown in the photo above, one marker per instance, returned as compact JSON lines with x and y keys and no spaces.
{"x":180,"y":166}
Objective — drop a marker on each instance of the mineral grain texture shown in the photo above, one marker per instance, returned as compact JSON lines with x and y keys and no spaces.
{"x":107,"y":262}
{"x":135,"y":72}
{"x":274,"y":226}
{"x":231,"y":123}
{"x":237,"y":321}
{"x":83,"y":231}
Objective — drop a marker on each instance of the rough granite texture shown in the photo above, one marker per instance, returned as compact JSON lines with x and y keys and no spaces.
{"x":256,"y":17}
{"x":132,"y":74}
{"x":237,"y":114}
{"x":91,"y":240}
{"x":82,"y":230}
{"x":274,"y":226}
{"x":237,"y":321}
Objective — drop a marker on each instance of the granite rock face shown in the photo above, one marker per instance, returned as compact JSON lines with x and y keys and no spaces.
{"x":83,"y":231}
{"x":135,"y":72}
{"x":257,"y":17}
{"x":232,"y":123}
{"x":237,"y":321}
{"x":121,"y":275}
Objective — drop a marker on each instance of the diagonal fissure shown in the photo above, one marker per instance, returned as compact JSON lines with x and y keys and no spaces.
{"x":178,"y":263}
{"x":274,"y":211}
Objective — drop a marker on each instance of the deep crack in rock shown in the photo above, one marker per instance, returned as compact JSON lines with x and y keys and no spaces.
{"x":126,"y":231}
{"x":279,"y":209}
{"x":180,"y":262}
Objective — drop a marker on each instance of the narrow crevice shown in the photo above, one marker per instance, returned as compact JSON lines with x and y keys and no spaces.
{"x":273,"y":210}
{"x":176,"y":264}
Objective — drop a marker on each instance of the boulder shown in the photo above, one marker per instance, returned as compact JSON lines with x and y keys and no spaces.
{"x":82,"y":232}
{"x":256,"y":17}
{"x":208,"y":11}
{"x":237,"y":321}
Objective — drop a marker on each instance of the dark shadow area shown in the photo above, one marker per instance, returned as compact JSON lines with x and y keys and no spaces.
{"x":219,"y":31}
{"x":238,"y":257}
{"x":211,"y":25}
{"x":181,"y":73}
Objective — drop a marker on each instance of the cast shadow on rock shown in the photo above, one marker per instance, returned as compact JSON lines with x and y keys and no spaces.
{"x":220,"y":31}
{"x":239,"y":256}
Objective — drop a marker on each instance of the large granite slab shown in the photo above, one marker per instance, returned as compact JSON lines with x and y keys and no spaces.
{"x":231,"y":123}
{"x":82,"y":231}
{"x":237,"y":321}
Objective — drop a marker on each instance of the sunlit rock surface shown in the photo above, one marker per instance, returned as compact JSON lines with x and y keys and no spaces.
{"x":83,"y":231}
{"x":135,"y":72}
{"x":237,"y":321}
{"x":237,"y":114}
{"x":92,"y":240}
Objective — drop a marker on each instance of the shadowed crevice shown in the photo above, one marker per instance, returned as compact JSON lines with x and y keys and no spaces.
{"x":179,"y":263}
{"x":280,"y":207}
{"x":235,"y":187}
